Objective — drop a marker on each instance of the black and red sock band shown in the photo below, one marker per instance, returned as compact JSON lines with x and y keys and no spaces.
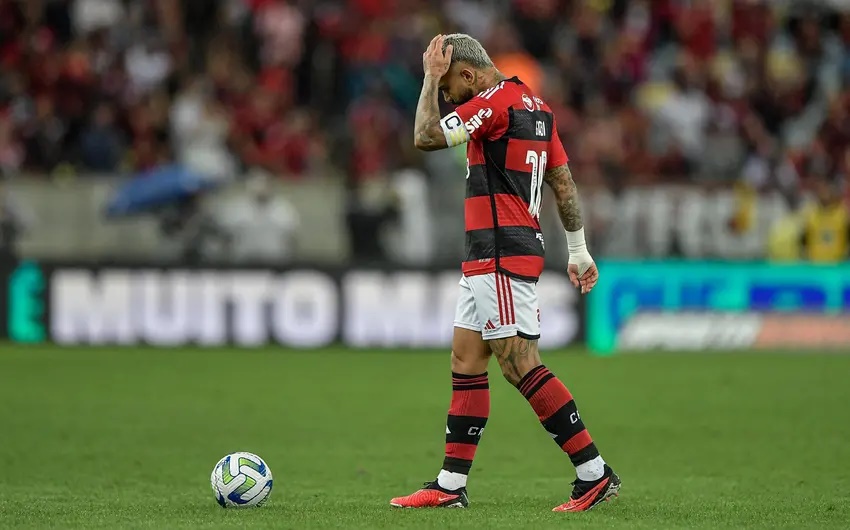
{"x":556,"y":409}
{"x":468,"y":413}
{"x":470,"y":382}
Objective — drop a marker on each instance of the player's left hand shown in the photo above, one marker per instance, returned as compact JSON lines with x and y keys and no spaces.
{"x":434,"y":62}
{"x":583,"y":274}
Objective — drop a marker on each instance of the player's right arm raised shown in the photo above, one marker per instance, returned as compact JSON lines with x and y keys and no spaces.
{"x":581,"y":268}
{"x":427,"y":132}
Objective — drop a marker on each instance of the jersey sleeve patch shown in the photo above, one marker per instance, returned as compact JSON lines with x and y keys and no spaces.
{"x":454,"y":129}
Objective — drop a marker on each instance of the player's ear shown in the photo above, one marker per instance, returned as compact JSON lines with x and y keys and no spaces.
{"x":468,"y":75}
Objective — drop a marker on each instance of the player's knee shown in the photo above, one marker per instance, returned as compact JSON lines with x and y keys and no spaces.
{"x":468,"y":362}
{"x":514,"y":372}
{"x":517,"y":357}
{"x":510,"y":376}
{"x":470,"y":353}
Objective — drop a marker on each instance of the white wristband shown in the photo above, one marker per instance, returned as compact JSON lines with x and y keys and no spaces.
{"x":575,"y":242}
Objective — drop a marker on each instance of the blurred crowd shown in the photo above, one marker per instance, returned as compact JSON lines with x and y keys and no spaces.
{"x":643,"y":90}
{"x":751,"y":92}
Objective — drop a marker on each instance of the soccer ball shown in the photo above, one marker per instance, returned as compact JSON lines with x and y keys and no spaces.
{"x":241,"y":480}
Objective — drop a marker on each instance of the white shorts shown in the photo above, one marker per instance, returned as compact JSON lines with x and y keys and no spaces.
{"x":498,"y":306}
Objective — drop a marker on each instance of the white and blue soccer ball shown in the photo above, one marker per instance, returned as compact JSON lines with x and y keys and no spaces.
{"x":241,"y":480}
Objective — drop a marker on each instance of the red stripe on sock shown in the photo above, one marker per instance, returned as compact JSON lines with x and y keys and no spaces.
{"x":474,"y":403}
{"x":528,"y":385}
{"x":476,"y":379}
{"x":463,"y":386}
{"x":577,"y":442}
{"x":552,"y":396}
{"x":462,"y":451}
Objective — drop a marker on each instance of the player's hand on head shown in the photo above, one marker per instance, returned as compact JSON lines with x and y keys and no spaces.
{"x":583,"y":273}
{"x":434,"y":61}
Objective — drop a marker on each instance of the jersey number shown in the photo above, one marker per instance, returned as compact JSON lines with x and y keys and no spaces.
{"x":538,"y":169}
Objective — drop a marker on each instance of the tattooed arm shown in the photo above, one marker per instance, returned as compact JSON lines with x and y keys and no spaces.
{"x":566,"y":195}
{"x":582,"y":270}
{"x":427,"y":133}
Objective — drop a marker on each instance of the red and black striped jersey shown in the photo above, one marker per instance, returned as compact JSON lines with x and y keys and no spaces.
{"x":512,"y":139}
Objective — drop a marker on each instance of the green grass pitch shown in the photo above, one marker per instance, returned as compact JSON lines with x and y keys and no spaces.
{"x":112,"y":438}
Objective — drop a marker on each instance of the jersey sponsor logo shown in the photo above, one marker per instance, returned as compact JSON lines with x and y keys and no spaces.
{"x":539,"y":102}
{"x":526,"y":100}
{"x":454,"y":129}
{"x":477,"y":120}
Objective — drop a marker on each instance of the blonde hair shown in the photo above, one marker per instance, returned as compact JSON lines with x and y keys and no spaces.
{"x":468,"y":50}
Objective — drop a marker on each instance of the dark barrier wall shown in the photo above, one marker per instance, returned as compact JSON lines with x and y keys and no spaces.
{"x":251,"y":306}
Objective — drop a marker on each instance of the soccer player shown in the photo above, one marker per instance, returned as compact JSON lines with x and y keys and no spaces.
{"x":512,"y":149}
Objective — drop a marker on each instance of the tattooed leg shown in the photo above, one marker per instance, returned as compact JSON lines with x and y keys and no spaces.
{"x":552,"y":402}
{"x":517,"y":356}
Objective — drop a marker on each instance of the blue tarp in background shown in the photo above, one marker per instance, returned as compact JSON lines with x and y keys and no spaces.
{"x":154,"y":189}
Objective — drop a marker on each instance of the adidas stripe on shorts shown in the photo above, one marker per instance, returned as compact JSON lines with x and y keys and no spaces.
{"x":498,"y":306}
